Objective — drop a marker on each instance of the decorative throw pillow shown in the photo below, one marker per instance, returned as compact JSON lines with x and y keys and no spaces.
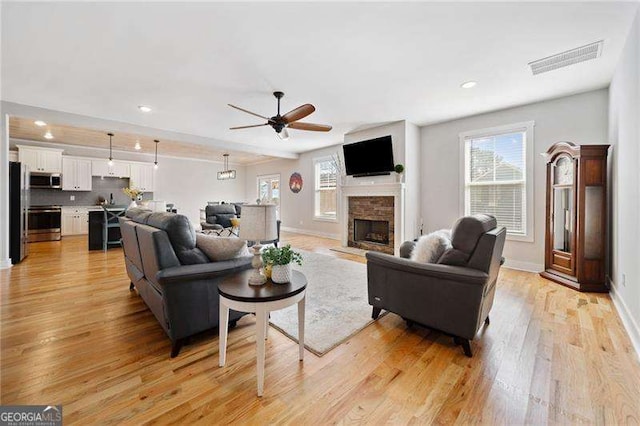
{"x":430,"y":247}
{"x":221,"y":248}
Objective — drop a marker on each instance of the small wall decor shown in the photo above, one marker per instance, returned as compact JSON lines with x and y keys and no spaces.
{"x":295,"y":182}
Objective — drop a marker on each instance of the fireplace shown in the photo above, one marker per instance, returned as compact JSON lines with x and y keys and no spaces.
{"x":371,"y":223}
{"x":377,"y":202}
{"x":372,"y":231}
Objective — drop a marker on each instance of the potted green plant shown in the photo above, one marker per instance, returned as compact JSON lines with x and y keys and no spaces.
{"x":280,"y":260}
{"x":399,"y":169}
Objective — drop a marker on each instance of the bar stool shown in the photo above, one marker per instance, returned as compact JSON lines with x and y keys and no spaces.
{"x":111,"y":216}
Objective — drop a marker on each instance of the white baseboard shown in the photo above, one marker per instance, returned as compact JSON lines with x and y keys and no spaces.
{"x":523,"y":266}
{"x":5,"y":263}
{"x":313,"y":233}
{"x":630,"y":324}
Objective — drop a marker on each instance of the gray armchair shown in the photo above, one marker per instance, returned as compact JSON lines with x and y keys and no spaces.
{"x":218,"y":217}
{"x":455,"y":299}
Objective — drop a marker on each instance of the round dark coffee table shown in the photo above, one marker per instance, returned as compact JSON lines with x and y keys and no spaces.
{"x":236,"y":293}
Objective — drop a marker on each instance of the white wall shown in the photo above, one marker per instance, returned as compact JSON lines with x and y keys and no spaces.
{"x":624,"y":135}
{"x":405,"y":137}
{"x":579,"y":118}
{"x":189,"y":184}
{"x":296,"y":210}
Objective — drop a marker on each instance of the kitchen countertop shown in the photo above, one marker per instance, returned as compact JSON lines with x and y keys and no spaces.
{"x":95,"y":208}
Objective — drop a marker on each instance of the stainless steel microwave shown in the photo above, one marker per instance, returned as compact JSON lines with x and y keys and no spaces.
{"x":45,"y":180}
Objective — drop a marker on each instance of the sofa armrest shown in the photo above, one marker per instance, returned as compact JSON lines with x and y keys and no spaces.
{"x":455,"y":273}
{"x":201,"y":271}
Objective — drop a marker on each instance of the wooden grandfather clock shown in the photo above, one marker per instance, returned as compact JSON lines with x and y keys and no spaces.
{"x":576,"y":228}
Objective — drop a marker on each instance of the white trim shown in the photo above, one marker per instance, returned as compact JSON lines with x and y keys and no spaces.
{"x":317,"y":217}
{"x":5,"y":264}
{"x":326,"y":219}
{"x":310,"y":232}
{"x":523,"y":266}
{"x":528,"y":127}
{"x":629,"y":323}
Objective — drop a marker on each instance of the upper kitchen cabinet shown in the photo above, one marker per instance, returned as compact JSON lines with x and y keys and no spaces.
{"x":45,"y":160}
{"x":142,"y":177}
{"x":103,"y":169}
{"x":76,"y":174}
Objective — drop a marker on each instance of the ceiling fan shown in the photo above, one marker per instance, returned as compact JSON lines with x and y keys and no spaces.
{"x":281,"y":123}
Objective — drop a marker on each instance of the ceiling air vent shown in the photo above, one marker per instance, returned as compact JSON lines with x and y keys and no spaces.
{"x":564,"y":59}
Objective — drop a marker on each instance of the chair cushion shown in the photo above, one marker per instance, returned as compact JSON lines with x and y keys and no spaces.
{"x":430,"y":247}
{"x":224,"y":219}
{"x":467,"y":231}
{"x":182,"y":236}
{"x":221,"y":248}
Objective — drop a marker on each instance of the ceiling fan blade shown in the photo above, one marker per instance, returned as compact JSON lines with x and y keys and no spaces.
{"x":310,"y":126}
{"x":247,"y":127}
{"x":249,"y":112}
{"x":299,"y":113}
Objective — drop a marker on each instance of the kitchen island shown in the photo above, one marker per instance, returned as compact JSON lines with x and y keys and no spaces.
{"x":96,"y":226}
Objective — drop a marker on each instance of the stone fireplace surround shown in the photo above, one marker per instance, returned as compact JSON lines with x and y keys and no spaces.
{"x":371,"y":208}
{"x":382,"y":201}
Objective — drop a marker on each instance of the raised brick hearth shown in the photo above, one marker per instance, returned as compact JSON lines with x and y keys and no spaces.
{"x":371,"y":208}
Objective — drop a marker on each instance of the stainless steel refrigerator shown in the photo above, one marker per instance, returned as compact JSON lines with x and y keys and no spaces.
{"x":18,"y":211}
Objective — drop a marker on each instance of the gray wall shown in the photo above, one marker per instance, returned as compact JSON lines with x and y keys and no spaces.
{"x":624,"y":135}
{"x":579,"y":118}
{"x":100,"y":187}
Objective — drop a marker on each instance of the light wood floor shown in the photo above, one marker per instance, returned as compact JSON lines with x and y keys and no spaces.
{"x":73,"y":334}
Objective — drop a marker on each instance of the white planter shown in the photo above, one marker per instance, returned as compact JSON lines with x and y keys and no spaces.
{"x":281,"y":273}
{"x":133,"y":204}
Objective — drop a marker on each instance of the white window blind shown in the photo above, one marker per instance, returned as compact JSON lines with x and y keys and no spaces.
{"x":496,"y":178}
{"x":326,"y":199}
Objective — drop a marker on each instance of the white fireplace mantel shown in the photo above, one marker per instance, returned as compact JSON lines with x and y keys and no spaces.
{"x":395,"y":190}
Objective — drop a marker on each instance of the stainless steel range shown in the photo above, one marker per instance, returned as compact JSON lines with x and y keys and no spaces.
{"x":44,"y":223}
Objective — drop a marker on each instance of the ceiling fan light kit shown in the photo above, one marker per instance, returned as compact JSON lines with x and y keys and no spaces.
{"x":280,"y":123}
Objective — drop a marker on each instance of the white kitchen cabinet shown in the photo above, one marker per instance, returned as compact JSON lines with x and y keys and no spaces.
{"x":76,"y":174}
{"x":75,"y":221}
{"x":45,"y":160}
{"x":103,"y":169}
{"x":142,"y":177}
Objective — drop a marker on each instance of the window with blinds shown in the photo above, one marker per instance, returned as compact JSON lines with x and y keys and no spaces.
{"x":326,"y":195}
{"x":496,"y":178}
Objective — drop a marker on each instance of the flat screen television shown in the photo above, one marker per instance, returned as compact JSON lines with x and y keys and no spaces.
{"x":369,"y":158}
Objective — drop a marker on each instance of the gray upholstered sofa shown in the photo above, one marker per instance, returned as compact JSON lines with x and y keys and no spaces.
{"x":174,"y":278}
{"x":454,"y":299}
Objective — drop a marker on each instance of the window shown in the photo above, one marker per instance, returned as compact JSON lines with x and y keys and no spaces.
{"x":326,"y":194}
{"x":498,"y":176}
{"x":269,"y":190}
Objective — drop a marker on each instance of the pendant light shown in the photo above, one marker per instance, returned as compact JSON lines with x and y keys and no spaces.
{"x":110,"y":150}
{"x":226,"y":173}
{"x":155,"y":163}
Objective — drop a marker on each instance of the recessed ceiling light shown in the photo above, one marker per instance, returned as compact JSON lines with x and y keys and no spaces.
{"x":137,"y":146}
{"x":144,"y":108}
{"x":48,"y":135}
{"x":468,"y":84}
{"x":39,"y":123}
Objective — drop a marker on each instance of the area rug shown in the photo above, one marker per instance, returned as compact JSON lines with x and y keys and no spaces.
{"x":350,"y":250}
{"x":336,"y":306}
